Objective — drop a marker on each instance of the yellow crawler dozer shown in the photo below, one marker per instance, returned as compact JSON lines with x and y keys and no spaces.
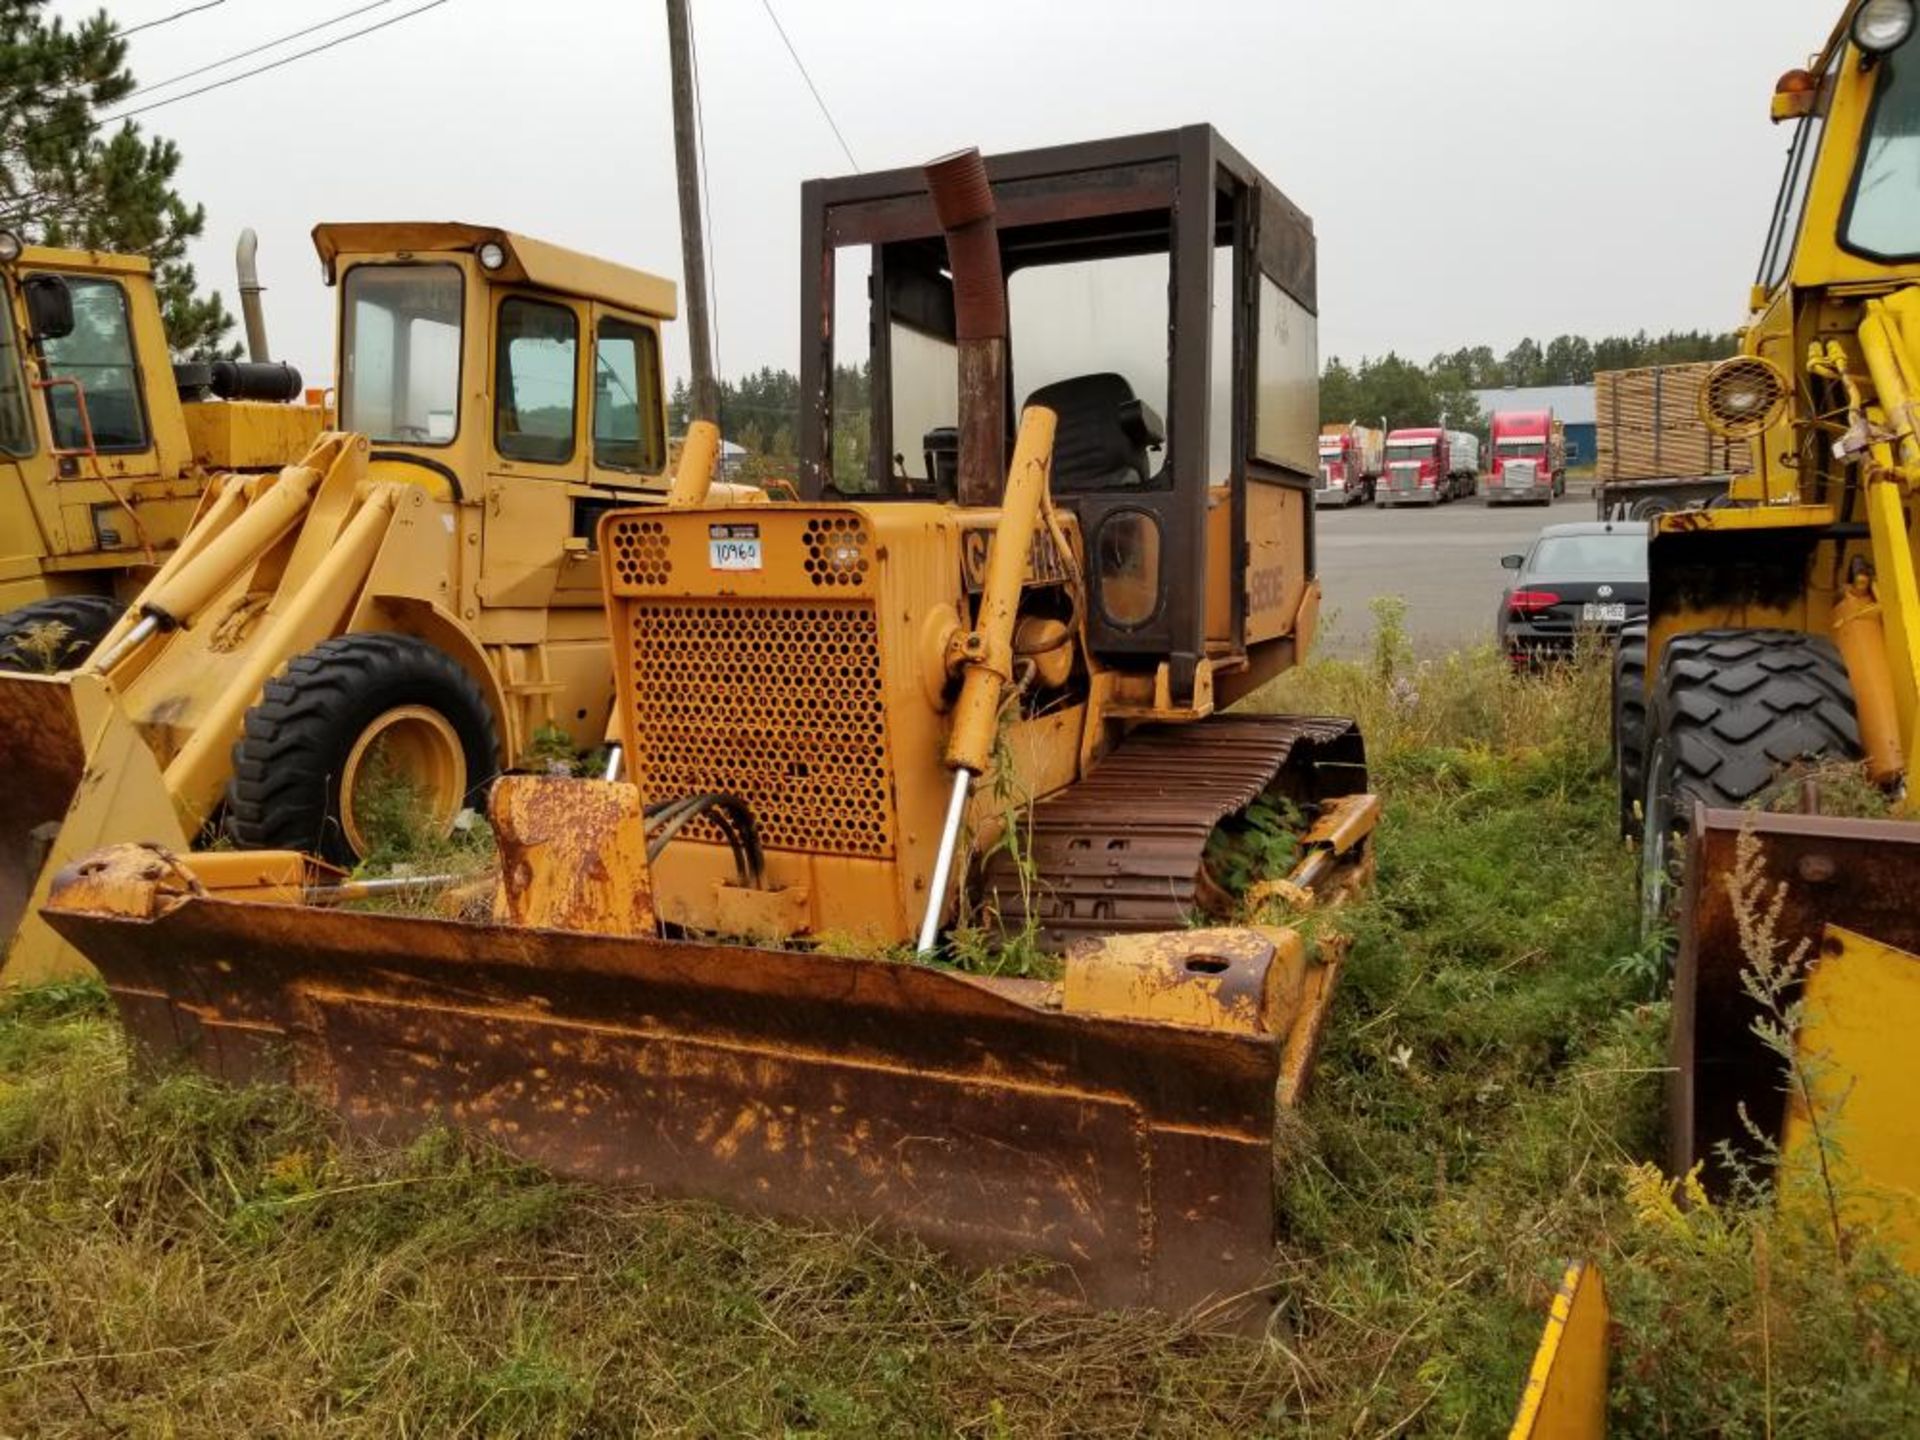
{"x":412,"y":602}
{"x":966,"y":698}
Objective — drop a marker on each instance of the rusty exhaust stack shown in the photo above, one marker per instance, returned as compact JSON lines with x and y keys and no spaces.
{"x":963,"y":201}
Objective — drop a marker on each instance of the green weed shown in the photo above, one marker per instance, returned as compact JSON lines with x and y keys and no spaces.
{"x":46,"y":648}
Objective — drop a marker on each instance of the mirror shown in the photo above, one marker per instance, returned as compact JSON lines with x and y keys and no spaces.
{"x":49,"y":307}
{"x":1512,"y":562}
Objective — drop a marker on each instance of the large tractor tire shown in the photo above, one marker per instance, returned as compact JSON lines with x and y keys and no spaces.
{"x":24,"y":640}
{"x":341,"y":728}
{"x":1630,"y":724}
{"x":1733,"y":710}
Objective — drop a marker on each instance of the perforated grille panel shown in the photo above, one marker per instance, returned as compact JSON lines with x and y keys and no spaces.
{"x":640,"y":552}
{"x":836,"y":551}
{"x":778,"y":703}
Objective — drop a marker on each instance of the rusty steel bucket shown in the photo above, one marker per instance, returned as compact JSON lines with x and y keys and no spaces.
{"x":983,"y":1116}
{"x":45,"y":760}
{"x":1844,"y":887}
{"x":78,"y":774}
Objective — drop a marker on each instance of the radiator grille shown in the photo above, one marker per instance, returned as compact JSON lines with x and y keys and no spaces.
{"x":777,"y":703}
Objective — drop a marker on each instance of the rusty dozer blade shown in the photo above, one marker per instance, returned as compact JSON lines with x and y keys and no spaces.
{"x":993,"y":1119}
{"x":77,"y":774}
{"x":1846,"y":887}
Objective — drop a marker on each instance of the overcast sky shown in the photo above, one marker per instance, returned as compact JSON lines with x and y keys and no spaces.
{"x":1477,"y":170}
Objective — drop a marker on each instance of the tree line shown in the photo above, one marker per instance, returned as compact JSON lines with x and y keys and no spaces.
{"x":1441,"y":391}
{"x":68,"y":178}
{"x":760,"y":411}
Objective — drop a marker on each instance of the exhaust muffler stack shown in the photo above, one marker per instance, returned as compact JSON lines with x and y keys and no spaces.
{"x":963,"y":201}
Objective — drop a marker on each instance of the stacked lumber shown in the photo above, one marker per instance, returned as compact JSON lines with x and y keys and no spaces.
{"x":1649,"y":426}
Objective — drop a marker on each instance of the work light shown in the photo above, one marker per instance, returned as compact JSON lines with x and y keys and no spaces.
{"x":1882,"y":25}
{"x":492,"y":255}
{"x":1742,"y":396}
{"x":9,"y":247}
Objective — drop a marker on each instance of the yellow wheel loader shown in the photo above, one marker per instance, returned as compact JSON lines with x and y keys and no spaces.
{"x":965,"y":700}
{"x":1784,"y":633}
{"x":105,"y":445}
{"x":411,"y":603}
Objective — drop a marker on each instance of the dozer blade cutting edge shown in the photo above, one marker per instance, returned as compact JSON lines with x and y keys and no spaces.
{"x":986,"y":1117}
{"x":77,"y":773}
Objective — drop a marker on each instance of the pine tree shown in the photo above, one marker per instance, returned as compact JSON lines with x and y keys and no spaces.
{"x":65,"y":181}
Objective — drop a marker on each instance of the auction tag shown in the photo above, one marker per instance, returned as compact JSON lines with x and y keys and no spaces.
{"x":733,"y":547}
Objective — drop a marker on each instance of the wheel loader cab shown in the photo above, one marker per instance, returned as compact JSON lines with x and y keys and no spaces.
{"x":1160,"y":297}
{"x":104,"y":449}
{"x":518,"y":379}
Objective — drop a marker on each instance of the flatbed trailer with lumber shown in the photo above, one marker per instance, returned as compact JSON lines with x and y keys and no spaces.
{"x":1656,"y":452}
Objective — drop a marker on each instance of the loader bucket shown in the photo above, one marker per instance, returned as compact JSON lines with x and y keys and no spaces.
{"x":1838,"y":881}
{"x":78,"y":775}
{"x":1566,"y":1394}
{"x":40,"y":737}
{"x":985,"y":1117}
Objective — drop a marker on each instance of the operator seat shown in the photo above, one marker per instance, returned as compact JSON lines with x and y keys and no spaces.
{"x":1103,"y":434}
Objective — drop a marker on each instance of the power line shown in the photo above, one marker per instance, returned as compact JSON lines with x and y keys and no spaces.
{"x":263,"y":69}
{"x":706,"y":204}
{"x":845,"y":149}
{"x":255,"y":50}
{"x":166,"y":19}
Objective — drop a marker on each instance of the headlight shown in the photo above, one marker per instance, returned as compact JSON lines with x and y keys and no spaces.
{"x":1743,"y":396}
{"x":9,"y":247}
{"x":1882,"y":25}
{"x":492,"y":255}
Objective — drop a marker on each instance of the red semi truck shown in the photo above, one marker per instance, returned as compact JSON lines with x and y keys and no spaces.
{"x":1351,"y":457}
{"x":1427,"y":466}
{"x":1529,"y":458}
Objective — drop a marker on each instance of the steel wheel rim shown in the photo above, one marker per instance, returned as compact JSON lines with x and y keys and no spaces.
{"x":417,"y":743}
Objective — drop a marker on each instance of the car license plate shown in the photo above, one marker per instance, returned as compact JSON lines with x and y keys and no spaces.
{"x":1603,"y":614}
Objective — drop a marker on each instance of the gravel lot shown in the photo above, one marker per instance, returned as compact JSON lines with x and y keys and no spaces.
{"x":1444,"y":562}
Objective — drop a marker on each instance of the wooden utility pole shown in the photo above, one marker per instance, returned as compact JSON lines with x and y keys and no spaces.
{"x":705,"y":398}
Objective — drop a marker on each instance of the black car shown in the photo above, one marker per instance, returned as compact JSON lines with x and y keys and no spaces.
{"x":1576,"y":578}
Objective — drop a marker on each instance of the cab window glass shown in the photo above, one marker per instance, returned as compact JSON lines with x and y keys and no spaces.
{"x":1087,"y":337}
{"x":400,"y":368}
{"x":16,"y":422}
{"x":98,"y":353}
{"x":626,"y":399}
{"x":1794,"y":186}
{"x":535,"y":369}
{"x":1883,"y":219}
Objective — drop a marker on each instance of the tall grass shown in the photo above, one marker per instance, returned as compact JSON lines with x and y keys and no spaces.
{"x":180,"y":1258}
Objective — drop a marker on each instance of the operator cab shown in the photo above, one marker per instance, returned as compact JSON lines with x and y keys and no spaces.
{"x":1180,"y":359}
